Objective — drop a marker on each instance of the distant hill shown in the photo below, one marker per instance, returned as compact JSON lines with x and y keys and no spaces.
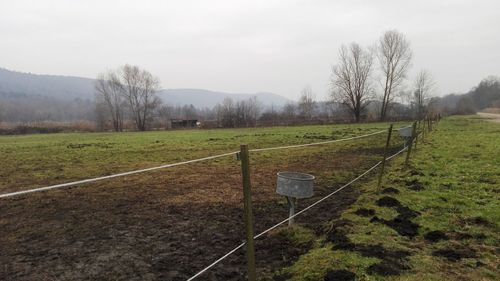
{"x":485,"y":95}
{"x":54,"y":86}
{"x":204,"y":98}
{"x":13,"y":83}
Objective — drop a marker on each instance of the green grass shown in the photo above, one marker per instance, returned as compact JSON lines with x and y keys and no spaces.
{"x":34,"y":160}
{"x":459,"y":168}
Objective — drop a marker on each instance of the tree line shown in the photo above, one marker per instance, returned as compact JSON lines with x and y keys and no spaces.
{"x":366,"y":83}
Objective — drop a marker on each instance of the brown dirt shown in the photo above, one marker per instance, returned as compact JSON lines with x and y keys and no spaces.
{"x":340,"y":275}
{"x":165,"y":225}
{"x":365,"y":212}
{"x":455,"y":253}
{"x":435,"y":236}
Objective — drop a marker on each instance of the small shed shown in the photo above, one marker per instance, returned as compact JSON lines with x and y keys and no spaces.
{"x":184,"y":123}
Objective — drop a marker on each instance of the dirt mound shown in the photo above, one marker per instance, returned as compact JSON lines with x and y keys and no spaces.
{"x":393,"y":261}
{"x":390,"y":190}
{"x":365,"y":212}
{"x":340,"y":275}
{"x":455,"y":254}
{"x":387,"y":201}
{"x":414,"y":184}
{"x":338,"y":236}
{"x":435,"y":236}
{"x":479,"y":221}
{"x":401,"y":225}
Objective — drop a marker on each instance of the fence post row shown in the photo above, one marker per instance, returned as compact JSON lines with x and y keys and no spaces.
{"x":411,"y":143}
{"x":389,"y":133}
{"x":247,"y":201}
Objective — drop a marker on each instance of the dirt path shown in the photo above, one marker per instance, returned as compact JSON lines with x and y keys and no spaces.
{"x":490,"y":116}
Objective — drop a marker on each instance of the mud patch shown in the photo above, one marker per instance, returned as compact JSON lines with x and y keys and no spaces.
{"x":435,"y":236}
{"x":401,"y":224}
{"x":393,"y":262}
{"x":387,"y":201}
{"x":467,"y":236}
{"x":390,"y":190}
{"x":455,"y":254}
{"x":363,"y":212}
{"x":479,"y":221}
{"x":414,"y":185}
{"x":340,"y":275}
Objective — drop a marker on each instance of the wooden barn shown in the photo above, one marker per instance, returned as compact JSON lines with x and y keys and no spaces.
{"x":184,"y":123}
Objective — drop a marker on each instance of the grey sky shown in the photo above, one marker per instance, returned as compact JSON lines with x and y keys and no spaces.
{"x":246,"y":46}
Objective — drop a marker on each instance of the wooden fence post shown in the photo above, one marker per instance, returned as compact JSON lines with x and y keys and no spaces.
{"x":383,"y":159}
{"x":411,"y":143}
{"x":417,"y":130}
{"x":247,"y":201}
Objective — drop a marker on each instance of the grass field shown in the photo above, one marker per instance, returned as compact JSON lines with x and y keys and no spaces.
{"x":436,"y":220}
{"x":34,"y":160}
{"x":165,"y":224}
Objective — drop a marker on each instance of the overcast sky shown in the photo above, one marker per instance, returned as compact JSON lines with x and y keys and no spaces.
{"x":246,"y":46}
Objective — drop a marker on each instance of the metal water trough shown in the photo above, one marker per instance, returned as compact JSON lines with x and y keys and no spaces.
{"x":294,"y":185}
{"x":406,"y":134}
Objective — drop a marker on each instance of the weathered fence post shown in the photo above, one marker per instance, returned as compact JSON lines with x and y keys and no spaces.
{"x":416,"y":134}
{"x":383,"y":159}
{"x":411,"y":143}
{"x":247,"y":201}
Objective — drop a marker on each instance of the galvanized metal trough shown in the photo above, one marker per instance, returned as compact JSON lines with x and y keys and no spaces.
{"x":406,"y":134}
{"x":294,"y":185}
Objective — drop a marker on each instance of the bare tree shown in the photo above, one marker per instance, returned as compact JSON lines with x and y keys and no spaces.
{"x":307,"y":102}
{"x":109,"y":92}
{"x":394,"y":55}
{"x":254,"y":109}
{"x":351,"y":79}
{"x":226,"y":113}
{"x":289,"y":111}
{"x":423,"y":88}
{"x":139,"y":87}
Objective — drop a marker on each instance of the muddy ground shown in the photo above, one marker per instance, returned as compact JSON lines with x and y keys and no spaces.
{"x":168,"y":225}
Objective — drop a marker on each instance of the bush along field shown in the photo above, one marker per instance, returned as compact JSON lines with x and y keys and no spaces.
{"x":436,"y":219}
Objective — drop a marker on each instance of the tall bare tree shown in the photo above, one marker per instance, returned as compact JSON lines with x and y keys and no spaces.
{"x":351,"y":79}
{"x":423,"y":88}
{"x":394,"y":55}
{"x":109,"y":92}
{"x":289,"y":111}
{"x":139,"y":87}
{"x":307,"y":102}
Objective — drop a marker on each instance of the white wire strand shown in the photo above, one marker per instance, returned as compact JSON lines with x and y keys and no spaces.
{"x":316,"y":143}
{"x":296,"y":214}
{"x":6,"y":195}
{"x":114,"y":175}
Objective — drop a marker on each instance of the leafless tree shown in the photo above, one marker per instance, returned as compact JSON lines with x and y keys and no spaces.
{"x":307,"y":102}
{"x":423,"y":88}
{"x":394,"y":56}
{"x":351,"y":79}
{"x":289,"y":111}
{"x":255,"y":107}
{"x":139,"y":87}
{"x":109,"y":91}
{"x":226,"y":113}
